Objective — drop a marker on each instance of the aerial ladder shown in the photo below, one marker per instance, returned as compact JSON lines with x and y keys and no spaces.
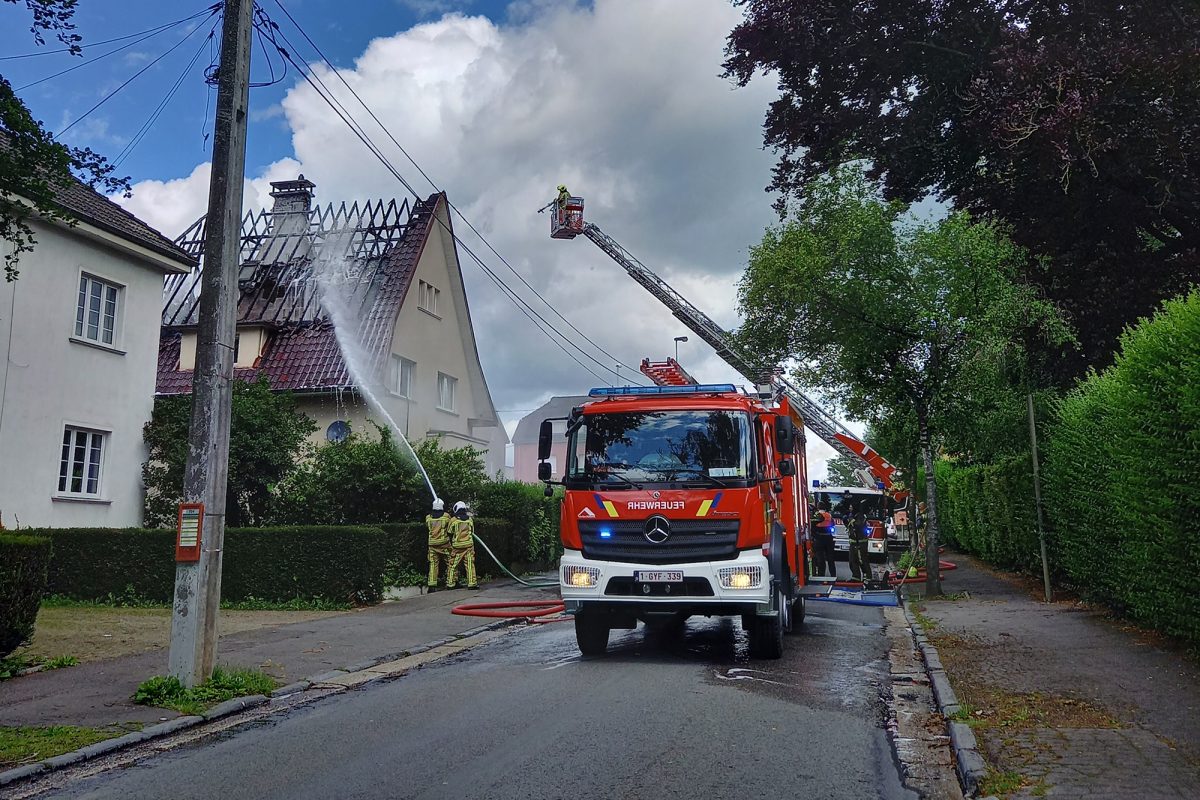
{"x":567,"y":222}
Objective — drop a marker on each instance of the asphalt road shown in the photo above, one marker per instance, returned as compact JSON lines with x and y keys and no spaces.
{"x":662,"y":716}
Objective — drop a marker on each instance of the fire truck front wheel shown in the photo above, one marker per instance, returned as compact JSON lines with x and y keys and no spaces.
{"x":591,"y":633}
{"x":766,"y":632}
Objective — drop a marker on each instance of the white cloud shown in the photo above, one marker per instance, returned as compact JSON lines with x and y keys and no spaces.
{"x":622,"y":100}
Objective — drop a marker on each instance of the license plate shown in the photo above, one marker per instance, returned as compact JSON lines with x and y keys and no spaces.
{"x":659,"y":576}
{"x":841,"y":545}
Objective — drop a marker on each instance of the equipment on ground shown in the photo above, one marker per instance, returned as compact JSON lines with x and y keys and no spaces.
{"x":680,"y":501}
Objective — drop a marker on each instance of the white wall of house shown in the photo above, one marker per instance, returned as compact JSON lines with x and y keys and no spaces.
{"x":433,"y":334}
{"x":52,"y":378}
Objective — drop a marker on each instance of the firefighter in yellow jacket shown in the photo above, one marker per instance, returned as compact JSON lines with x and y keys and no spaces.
{"x":462,"y":546}
{"x":438,"y":523}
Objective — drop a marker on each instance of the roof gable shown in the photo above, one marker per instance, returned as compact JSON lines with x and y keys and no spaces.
{"x":370,"y":250}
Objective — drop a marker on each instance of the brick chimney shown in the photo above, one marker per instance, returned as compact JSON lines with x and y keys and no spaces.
{"x":292,"y":196}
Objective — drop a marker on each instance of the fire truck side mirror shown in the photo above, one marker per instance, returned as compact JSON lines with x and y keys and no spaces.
{"x":785,"y":435}
{"x":545,"y":436}
{"x":544,"y":471}
{"x":787,"y":468}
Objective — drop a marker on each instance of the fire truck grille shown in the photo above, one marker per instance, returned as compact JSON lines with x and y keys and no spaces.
{"x":690,"y":540}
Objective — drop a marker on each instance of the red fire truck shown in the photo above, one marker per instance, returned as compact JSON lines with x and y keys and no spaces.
{"x":683,"y":501}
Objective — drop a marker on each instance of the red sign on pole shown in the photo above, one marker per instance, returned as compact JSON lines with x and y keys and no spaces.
{"x":187,"y":533}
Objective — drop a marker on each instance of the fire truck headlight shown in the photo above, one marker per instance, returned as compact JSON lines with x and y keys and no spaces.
{"x":740,"y":577}
{"x":580,"y":577}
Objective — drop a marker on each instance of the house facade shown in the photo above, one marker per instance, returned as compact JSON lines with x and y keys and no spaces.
{"x":525,"y":438}
{"x":78,"y":358}
{"x":358,"y":310}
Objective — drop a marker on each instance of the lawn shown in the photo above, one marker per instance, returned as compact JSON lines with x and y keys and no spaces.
{"x":25,"y":745}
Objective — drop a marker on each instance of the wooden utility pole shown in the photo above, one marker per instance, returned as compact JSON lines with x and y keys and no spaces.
{"x":1037,"y":497}
{"x":198,"y":584}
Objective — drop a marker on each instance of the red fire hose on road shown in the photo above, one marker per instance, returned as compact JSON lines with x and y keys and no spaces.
{"x":537,"y":611}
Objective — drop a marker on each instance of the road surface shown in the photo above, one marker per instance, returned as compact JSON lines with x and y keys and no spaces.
{"x":666,"y":714}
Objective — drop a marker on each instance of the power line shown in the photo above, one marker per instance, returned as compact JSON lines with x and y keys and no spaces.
{"x":154,"y":115}
{"x":128,"y":81}
{"x":154,"y":32}
{"x":151,"y":31}
{"x":435,"y":186}
{"x":539,"y":321}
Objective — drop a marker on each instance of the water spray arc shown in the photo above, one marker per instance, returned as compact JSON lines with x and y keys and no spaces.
{"x":337,"y":276}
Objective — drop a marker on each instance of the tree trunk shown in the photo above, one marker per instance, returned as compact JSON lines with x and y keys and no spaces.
{"x":933,"y":577}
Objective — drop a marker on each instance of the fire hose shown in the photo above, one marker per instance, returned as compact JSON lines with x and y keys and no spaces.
{"x":533,"y":611}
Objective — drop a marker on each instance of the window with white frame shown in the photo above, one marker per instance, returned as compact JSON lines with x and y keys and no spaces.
{"x":403,"y":376}
{"x":447,"y":388}
{"x":81,"y":461}
{"x":96,"y":310}
{"x":427,"y":297}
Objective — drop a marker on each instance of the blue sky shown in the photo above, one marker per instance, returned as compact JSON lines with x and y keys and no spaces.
{"x":177,"y":140}
{"x":499,"y":101}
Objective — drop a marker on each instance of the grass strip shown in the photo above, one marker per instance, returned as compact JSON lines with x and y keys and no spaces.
{"x":165,"y":691}
{"x":25,"y":745}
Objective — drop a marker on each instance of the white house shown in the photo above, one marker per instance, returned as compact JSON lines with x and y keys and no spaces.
{"x":395,"y":271}
{"x":78,"y":357}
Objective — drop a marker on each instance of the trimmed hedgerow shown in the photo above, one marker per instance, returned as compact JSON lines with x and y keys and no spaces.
{"x":23,"y":561}
{"x":340,"y":564}
{"x":1123,"y":475}
{"x":990,"y":509}
{"x":1121,"y":465}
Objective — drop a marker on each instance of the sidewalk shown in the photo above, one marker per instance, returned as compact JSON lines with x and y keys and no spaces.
{"x":1065,"y":702}
{"x":98,"y":694}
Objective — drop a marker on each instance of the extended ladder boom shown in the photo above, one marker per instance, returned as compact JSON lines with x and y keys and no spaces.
{"x":816,"y":419}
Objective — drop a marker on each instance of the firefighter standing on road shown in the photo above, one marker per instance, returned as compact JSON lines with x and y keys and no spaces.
{"x":462,"y":546}
{"x":439,"y":542}
{"x":856,"y":532}
{"x":822,"y":538}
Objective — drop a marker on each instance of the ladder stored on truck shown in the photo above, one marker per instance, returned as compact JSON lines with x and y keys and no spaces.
{"x":566,"y":224}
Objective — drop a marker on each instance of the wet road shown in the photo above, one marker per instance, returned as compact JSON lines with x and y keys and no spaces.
{"x":664,"y":715}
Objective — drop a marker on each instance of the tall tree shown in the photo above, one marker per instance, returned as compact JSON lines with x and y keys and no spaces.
{"x":267,"y":435}
{"x":1078,"y":122}
{"x":32,"y":163}
{"x":887,"y":313}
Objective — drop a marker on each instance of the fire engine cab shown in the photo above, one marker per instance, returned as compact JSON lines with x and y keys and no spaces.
{"x":681,"y":501}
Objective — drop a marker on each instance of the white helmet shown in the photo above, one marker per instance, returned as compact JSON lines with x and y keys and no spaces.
{"x":460,"y":506}
{"x":438,"y":505}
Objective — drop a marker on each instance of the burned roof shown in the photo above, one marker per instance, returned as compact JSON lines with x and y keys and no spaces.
{"x":370,"y":250}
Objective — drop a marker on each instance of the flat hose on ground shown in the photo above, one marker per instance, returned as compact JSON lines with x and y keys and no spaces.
{"x":534,"y":610}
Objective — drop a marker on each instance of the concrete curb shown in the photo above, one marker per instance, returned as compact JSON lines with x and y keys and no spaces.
{"x":230,"y":707}
{"x":969,"y":765}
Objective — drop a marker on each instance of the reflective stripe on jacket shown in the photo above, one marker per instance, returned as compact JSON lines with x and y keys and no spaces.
{"x":460,"y":532}
{"x":439,"y":530}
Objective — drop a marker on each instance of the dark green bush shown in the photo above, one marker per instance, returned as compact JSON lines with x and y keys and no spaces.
{"x":1123,"y":475}
{"x":1121,"y":466}
{"x":338,"y":564}
{"x":23,"y":561}
{"x":533,"y":516}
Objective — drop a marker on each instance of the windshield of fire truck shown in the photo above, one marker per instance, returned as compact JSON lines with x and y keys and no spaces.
{"x":661,"y":447}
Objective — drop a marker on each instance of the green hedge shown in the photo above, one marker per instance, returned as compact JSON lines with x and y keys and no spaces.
{"x":23,"y":562}
{"x":1121,"y":482}
{"x":990,"y":510}
{"x":1123,"y":475}
{"x":339,"y":564}
{"x":407,"y":544}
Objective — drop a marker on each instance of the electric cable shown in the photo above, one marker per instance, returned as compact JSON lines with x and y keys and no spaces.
{"x":315,"y":82}
{"x":83,"y":46}
{"x":213,"y":10}
{"x":437,"y":188}
{"x":128,"y":81}
{"x":154,"y":115}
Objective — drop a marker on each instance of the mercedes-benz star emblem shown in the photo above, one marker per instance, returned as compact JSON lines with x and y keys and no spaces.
{"x":657,"y":529}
